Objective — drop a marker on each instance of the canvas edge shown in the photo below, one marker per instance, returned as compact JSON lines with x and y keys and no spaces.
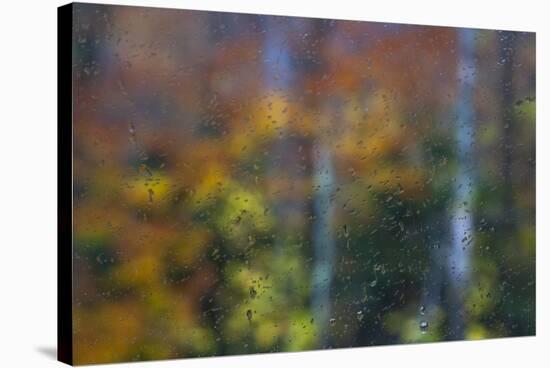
{"x":64,"y":185}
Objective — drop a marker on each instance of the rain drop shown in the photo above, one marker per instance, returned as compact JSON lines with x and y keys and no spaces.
{"x":345,"y":229}
{"x":424,"y":327}
{"x":132,"y":129}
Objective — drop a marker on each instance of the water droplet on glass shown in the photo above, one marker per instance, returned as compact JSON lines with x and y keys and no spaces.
{"x":373,"y":283}
{"x":360,"y":316}
{"x":332,"y":321}
{"x":144,"y":170}
{"x":422,"y":310}
{"x":424,"y":327}
{"x":249,"y":315}
{"x":346,"y":230}
{"x":131,"y":129}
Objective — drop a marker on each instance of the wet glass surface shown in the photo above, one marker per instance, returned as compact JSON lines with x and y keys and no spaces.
{"x":248,"y":183}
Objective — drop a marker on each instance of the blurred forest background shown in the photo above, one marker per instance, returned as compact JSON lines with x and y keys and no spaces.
{"x":248,"y":183}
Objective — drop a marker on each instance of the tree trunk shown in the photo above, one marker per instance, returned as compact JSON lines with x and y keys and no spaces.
{"x":461,"y":226}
